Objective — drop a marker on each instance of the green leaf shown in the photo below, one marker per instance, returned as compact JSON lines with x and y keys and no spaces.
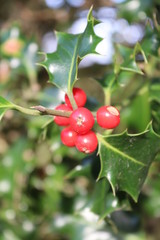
{"x":140,"y":107}
{"x":126,"y":158}
{"x":5,"y":105}
{"x":62,"y":65}
{"x":79,"y":170}
{"x":138,"y":49}
{"x":129,"y":59}
{"x":155,"y":91}
{"x":106,"y":202}
{"x":130,"y":66}
{"x":156,"y":116}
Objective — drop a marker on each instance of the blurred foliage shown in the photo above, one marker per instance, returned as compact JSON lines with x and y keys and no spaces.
{"x":48,"y":191}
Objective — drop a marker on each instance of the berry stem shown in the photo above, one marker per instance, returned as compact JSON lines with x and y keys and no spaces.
{"x":94,"y":114}
{"x":72,"y":100}
{"x":107,"y":92}
{"x":46,"y":111}
{"x":108,"y":89}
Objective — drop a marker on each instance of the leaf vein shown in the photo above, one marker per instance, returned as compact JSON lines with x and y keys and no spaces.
{"x":119,"y":152}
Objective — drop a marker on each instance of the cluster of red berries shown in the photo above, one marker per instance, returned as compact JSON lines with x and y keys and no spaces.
{"x":78,"y":132}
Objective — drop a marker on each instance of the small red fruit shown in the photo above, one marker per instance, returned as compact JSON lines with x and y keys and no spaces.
{"x":81,"y":120}
{"x":108,"y":117}
{"x":79,"y":96}
{"x":68,"y":137}
{"x":62,"y":121}
{"x":87,"y":143}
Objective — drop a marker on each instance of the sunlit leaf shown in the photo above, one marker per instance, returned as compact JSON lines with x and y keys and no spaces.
{"x":62,"y":65}
{"x":126,"y":158}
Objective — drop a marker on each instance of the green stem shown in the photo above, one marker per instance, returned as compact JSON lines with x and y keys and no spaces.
{"x":40,"y":110}
{"x":107,"y":92}
{"x":108,"y":89}
{"x":46,"y":111}
{"x":26,"y":110}
{"x":72,"y":101}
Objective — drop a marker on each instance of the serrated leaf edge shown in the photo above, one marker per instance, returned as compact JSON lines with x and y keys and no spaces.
{"x":148,"y":128}
{"x":101,"y":139}
{"x":94,"y":21}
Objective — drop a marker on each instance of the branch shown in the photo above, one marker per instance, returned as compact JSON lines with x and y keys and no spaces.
{"x":53,"y":112}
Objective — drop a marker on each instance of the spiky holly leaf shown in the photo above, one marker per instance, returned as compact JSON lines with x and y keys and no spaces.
{"x":130,"y":59}
{"x":62,"y":65}
{"x":126,"y":158}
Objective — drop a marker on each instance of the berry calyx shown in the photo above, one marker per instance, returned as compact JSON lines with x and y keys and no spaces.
{"x":108,"y":117}
{"x":81,"y":120}
{"x":79,"y":96}
{"x":62,"y":121}
{"x":87,"y":143}
{"x":68,"y":137}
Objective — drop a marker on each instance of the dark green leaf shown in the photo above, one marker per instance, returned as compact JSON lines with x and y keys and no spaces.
{"x":106,"y":203}
{"x":62,"y":65}
{"x":126,"y":158}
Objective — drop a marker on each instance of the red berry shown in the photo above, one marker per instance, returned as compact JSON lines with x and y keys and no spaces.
{"x":108,"y":117}
{"x":68,"y":137}
{"x":79,"y":96}
{"x":81,"y":120}
{"x":62,"y":121}
{"x":87,"y":143}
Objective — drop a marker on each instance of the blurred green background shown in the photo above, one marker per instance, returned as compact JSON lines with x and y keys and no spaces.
{"x":41,"y":196}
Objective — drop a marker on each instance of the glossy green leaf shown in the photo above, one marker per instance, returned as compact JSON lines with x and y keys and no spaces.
{"x":106,"y":202}
{"x":62,"y":65}
{"x":126,"y":158}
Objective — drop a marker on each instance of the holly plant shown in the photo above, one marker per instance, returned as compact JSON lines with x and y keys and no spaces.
{"x":125,"y":157}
